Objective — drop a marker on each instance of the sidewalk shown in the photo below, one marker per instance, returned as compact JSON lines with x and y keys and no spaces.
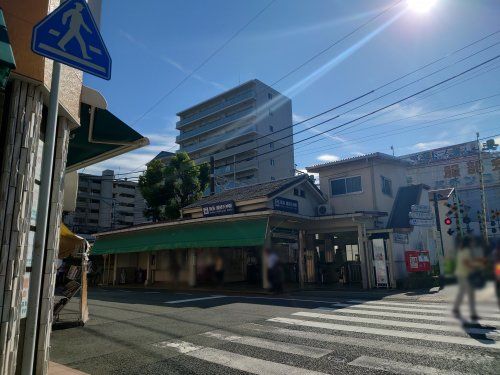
{"x":58,"y":369}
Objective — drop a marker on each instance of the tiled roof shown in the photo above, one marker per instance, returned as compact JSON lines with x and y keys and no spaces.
{"x":265,"y":189}
{"x":375,"y":155}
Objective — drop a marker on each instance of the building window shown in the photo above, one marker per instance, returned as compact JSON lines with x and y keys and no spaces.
{"x":352,"y":253}
{"x":94,"y":201}
{"x":271,"y":162}
{"x":473,"y":167}
{"x":451,"y":171}
{"x":271,"y":145}
{"x":299,"y":192}
{"x":83,"y":189}
{"x":386,"y":186}
{"x":271,"y":129}
{"x":269,"y":95}
{"x":272,"y":178}
{"x":346,"y":185}
{"x":270,"y":113}
{"x":95,"y":191}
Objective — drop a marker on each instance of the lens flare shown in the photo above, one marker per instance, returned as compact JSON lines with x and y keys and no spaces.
{"x":421,"y":6}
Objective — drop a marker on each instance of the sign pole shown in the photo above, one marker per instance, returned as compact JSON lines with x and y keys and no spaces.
{"x":29,"y":349}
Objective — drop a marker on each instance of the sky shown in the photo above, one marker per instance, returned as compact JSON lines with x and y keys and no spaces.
{"x":155,"y":44}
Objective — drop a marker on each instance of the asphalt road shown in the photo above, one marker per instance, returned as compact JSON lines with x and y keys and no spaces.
{"x":134,"y":331}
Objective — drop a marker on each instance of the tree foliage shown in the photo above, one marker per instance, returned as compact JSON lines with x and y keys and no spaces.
{"x":168,"y":188}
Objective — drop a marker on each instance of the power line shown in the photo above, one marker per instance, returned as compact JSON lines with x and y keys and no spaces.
{"x":366,"y":94}
{"x":336,"y":42}
{"x":203,"y":63}
{"x":370,"y":92}
{"x":414,"y":128}
{"x":414,"y":116}
{"x":379,"y":109}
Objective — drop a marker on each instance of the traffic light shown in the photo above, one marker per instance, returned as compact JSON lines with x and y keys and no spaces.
{"x":450,"y":231}
{"x":447,"y":221}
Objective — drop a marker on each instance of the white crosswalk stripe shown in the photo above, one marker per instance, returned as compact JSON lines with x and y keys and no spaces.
{"x":388,"y":365}
{"x":446,"y":307}
{"x":303,"y":350}
{"x":406,"y":309}
{"x":481,"y":343}
{"x":372,"y":344}
{"x":238,"y":361}
{"x":378,"y":335}
{"x":399,"y":323}
{"x":351,"y":310}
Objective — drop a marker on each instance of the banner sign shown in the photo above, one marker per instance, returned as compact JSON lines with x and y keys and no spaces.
{"x":417,"y":261}
{"x":285,"y":204}
{"x":420,"y":215}
{"x":218,"y":209}
{"x":421,"y":223}
{"x":379,"y":262}
{"x":400,"y":238}
{"x":420,"y":208}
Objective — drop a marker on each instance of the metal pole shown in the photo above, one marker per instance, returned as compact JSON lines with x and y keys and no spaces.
{"x":42,"y":221}
{"x":483,"y":196}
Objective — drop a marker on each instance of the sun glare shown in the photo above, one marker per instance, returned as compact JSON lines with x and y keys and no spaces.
{"x":421,"y":6}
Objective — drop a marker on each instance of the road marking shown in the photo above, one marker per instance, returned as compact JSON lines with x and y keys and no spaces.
{"x":371,"y":344}
{"x":248,"y":364}
{"x":447,"y":307}
{"x":307,"y":351}
{"x":399,"y":323}
{"x":396,"y":367}
{"x":417,"y":309}
{"x":151,"y":292}
{"x":181,"y":346}
{"x":193,"y":299}
{"x":481,"y":343}
{"x":433,"y":318}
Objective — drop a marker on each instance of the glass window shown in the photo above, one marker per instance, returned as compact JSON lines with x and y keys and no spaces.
{"x":271,"y":161}
{"x":353,"y":184}
{"x":346,"y":185}
{"x":338,"y":187}
{"x":271,"y":128}
{"x":386,"y":186}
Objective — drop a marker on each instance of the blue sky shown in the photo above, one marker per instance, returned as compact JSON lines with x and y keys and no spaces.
{"x":154,"y":44}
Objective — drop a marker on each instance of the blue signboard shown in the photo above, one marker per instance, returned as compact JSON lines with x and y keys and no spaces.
{"x":70,"y":35}
{"x":285,"y":204}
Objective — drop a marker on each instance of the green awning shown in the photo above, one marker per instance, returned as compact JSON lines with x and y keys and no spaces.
{"x":183,"y":236}
{"x":107,"y":138}
{"x":7,"y":62}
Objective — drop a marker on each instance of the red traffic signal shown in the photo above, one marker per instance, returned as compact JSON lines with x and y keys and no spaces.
{"x":447,"y":221}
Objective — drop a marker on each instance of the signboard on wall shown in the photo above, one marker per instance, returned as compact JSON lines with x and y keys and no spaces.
{"x":285,"y":204}
{"x":218,"y":209}
{"x":400,"y":238}
{"x":417,"y":261}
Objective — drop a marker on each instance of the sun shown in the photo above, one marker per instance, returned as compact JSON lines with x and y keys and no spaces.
{"x":421,"y":6}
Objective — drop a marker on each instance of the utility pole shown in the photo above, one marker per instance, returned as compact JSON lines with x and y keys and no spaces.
{"x":483,"y":195}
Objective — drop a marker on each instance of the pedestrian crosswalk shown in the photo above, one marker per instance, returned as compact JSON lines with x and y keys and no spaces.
{"x":352,"y":336}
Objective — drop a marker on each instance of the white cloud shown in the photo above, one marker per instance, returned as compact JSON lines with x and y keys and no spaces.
{"x":297,"y":118}
{"x":328,"y":157}
{"x":137,"y":159}
{"x":430,"y":145}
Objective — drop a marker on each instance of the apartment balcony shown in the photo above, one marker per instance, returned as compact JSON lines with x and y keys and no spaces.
{"x":241,"y":166}
{"x":226,"y":137}
{"x":215,"y":125}
{"x":240,"y":98}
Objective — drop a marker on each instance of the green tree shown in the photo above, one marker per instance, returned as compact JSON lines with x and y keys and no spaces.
{"x":168,"y":188}
{"x":152,"y":187}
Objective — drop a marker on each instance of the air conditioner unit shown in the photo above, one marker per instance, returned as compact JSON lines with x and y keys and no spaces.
{"x":324,"y":210}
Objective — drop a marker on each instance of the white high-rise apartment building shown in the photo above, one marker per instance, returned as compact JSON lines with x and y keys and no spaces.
{"x":242,"y":129}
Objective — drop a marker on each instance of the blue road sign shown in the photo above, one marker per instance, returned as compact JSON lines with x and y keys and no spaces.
{"x":70,"y":35}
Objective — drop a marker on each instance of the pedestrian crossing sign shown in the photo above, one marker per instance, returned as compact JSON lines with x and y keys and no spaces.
{"x":70,"y":35}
